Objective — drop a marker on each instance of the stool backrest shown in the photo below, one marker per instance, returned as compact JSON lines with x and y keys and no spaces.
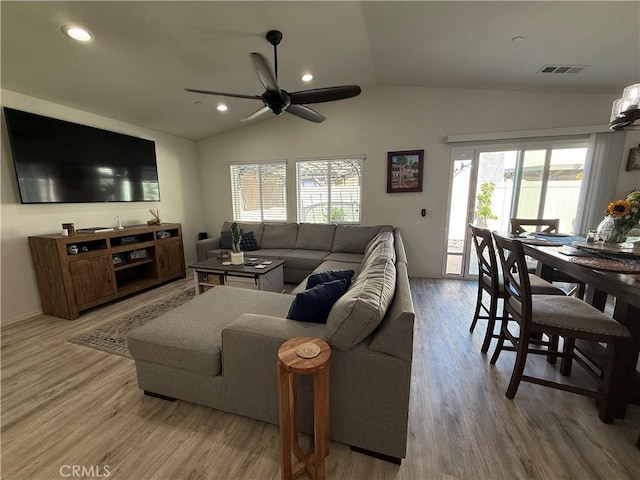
{"x":488,"y":268}
{"x":516,"y":278}
{"x":541,"y":225}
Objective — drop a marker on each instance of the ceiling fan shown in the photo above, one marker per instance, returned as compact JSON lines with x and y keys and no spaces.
{"x":278,"y":100}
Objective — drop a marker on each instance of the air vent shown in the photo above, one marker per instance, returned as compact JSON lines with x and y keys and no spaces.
{"x":562,"y":68}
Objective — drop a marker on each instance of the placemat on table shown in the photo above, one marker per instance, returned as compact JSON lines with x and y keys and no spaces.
{"x":607,"y":264}
{"x":540,"y":242}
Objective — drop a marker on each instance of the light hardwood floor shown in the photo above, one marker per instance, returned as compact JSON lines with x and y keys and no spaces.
{"x":66,"y":405}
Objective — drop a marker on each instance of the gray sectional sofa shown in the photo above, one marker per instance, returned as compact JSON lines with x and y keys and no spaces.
{"x":220,"y":349}
{"x":302,"y":246}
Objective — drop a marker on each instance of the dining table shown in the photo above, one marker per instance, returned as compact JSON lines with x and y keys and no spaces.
{"x":606,"y":272}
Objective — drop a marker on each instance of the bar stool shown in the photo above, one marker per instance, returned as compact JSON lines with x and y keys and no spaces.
{"x":303,"y":356}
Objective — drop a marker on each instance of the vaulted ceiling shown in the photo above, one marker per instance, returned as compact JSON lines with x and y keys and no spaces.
{"x":144,"y":53}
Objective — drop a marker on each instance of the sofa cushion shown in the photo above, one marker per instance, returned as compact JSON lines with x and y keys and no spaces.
{"x":353,"y":238}
{"x":304,"y":259}
{"x":248,"y":242}
{"x":187,"y":337}
{"x":313,"y":305}
{"x":315,"y":236}
{"x":328,"y":276}
{"x":382,"y":245}
{"x":345,"y":257}
{"x":255,"y":227}
{"x":279,"y":235}
{"x":361,"y":309}
{"x":270,"y":252}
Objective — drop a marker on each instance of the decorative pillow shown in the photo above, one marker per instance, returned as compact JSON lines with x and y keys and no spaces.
{"x":248,"y":242}
{"x":314,"y":305}
{"x":328,"y":276}
{"x":225,"y":240}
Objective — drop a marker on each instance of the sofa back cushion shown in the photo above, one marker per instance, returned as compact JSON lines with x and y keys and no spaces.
{"x":255,"y":227}
{"x":361,"y":309}
{"x":279,"y":235}
{"x":394,"y":336}
{"x":315,"y":237}
{"x":382,"y":245}
{"x":353,"y":238}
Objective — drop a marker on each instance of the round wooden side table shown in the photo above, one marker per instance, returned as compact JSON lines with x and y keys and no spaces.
{"x":303,"y":356}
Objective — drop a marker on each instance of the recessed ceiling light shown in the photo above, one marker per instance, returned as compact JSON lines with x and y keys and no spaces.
{"x":77,"y":33}
{"x":307,"y":77}
{"x":222,"y":107}
{"x":517,"y":39}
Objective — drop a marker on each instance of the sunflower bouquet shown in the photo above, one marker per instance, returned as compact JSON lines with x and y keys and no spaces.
{"x":625,"y":215}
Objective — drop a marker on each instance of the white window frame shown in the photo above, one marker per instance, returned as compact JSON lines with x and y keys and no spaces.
{"x":236,"y":192}
{"x":359,"y":159}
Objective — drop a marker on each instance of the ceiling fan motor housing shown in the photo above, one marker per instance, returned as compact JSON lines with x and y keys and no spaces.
{"x":277,"y":103}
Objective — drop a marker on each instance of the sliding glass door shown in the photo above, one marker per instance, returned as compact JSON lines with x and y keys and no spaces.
{"x":490,"y":186}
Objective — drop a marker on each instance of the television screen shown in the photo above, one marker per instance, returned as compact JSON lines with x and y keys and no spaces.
{"x":63,"y":162}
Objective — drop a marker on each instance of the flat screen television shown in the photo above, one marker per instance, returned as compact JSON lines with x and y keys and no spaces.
{"x":64,"y":162}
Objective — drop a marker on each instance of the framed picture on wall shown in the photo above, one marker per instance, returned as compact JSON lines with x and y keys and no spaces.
{"x":633,"y":163}
{"x":404,"y":171}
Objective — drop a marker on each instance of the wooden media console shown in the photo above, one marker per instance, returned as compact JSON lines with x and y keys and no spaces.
{"x":83,"y":270}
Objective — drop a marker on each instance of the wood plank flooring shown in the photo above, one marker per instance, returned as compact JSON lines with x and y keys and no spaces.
{"x":66,"y":405}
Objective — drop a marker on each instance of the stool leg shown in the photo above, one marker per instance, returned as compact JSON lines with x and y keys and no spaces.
{"x":320,"y":419}
{"x":284,"y":414}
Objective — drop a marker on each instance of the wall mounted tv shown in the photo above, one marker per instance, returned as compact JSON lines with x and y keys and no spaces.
{"x":63,"y":162}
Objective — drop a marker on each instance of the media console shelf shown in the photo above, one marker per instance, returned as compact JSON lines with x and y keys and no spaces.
{"x":84,"y":270}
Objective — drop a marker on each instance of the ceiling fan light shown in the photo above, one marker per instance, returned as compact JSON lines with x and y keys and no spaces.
{"x":77,"y":33}
{"x":630,"y":97}
{"x":615,"y":109}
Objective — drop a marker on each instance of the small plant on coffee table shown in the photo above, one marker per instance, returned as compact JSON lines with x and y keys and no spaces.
{"x":236,"y":237}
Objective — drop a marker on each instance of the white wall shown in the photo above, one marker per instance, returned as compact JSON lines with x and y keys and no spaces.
{"x":385,"y":119}
{"x":179,"y":192}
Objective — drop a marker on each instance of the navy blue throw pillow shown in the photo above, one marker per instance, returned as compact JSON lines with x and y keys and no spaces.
{"x":314,"y":305}
{"x":225,"y":240}
{"x":248,"y":242}
{"x":328,"y":276}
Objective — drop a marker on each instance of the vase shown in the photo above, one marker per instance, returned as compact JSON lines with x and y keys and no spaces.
{"x":237,"y":258}
{"x":615,"y":231}
{"x":605,"y":227}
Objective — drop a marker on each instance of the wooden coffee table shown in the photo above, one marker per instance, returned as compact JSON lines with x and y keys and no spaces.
{"x":213,"y":272}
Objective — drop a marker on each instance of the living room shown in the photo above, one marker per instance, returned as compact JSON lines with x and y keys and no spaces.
{"x":388,"y":116}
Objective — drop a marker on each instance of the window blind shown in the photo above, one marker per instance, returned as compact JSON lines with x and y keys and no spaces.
{"x":259,"y":191}
{"x":329,"y":190}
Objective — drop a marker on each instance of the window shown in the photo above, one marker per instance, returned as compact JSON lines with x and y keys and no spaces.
{"x":329,"y":190}
{"x":259,"y":191}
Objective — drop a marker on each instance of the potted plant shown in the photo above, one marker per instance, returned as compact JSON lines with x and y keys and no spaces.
{"x":237,"y":255}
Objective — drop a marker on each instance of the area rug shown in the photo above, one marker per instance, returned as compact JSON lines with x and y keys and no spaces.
{"x":112,"y":337}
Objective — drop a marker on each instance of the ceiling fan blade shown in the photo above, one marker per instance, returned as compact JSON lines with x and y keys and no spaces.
{"x":328,"y":94}
{"x":257,"y":113}
{"x":306,"y":113}
{"x":236,"y":95}
{"x":264,"y":73}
